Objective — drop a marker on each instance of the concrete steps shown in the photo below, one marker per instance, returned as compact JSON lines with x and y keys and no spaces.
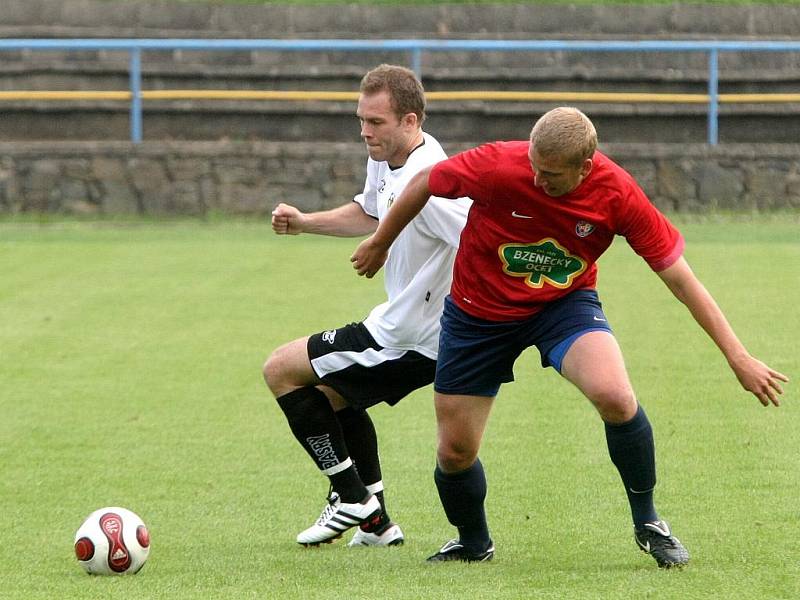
{"x":333,"y":122}
{"x":762,"y":72}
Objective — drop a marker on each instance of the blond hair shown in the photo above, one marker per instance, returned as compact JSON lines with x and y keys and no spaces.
{"x":566,"y":133}
{"x":404,"y":88}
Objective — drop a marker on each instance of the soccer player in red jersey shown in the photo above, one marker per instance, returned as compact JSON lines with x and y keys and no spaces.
{"x":543,"y":212}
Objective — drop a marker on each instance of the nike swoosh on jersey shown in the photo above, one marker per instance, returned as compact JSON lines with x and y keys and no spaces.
{"x":519,"y":216}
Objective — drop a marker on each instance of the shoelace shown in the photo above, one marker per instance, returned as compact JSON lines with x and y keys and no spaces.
{"x":329,"y":510}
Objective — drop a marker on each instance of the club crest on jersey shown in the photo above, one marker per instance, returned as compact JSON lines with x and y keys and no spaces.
{"x":390,"y":201}
{"x":545,"y":261}
{"x":583,"y":228}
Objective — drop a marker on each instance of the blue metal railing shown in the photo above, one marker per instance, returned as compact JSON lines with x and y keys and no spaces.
{"x":135,"y":47}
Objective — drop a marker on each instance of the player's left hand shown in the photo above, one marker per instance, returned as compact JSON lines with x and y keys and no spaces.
{"x":760,"y":380}
{"x":369,"y":258}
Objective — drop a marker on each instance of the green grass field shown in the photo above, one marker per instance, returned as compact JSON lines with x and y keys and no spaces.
{"x":130,"y":359}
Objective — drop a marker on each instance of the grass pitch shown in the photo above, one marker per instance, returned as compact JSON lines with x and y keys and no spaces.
{"x":130,"y":360}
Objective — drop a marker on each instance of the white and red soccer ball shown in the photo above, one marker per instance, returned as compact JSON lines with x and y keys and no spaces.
{"x":112,"y":541}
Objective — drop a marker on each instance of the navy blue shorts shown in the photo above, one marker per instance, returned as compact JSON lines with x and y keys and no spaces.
{"x":477,"y":356}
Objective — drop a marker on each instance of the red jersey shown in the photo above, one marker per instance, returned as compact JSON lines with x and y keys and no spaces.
{"x":522,"y":248}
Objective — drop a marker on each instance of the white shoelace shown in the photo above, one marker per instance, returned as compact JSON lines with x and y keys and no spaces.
{"x":328,"y":511}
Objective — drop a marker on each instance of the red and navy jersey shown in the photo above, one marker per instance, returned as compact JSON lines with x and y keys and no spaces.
{"x":522,"y":248}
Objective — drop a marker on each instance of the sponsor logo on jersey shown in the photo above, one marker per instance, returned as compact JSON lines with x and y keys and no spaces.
{"x":545,"y":261}
{"x":390,"y":201}
{"x":329,"y":336}
{"x":382,"y":186}
{"x":583,"y":228}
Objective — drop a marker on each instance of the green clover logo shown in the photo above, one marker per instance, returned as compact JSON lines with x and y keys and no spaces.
{"x":545,"y":261}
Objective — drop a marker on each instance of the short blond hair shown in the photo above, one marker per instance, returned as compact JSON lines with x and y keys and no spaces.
{"x":564,"y":132}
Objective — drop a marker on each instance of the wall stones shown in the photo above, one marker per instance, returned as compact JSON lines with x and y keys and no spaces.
{"x":250,"y":178}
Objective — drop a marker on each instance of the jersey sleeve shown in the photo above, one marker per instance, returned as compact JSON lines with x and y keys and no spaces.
{"x":648,"y":231}
{"x":368,"y":199}
{"x":468,"y":173}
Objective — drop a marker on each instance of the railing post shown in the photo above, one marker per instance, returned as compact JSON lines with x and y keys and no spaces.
{"x":136,"y":94}
{"x":416,"y":62}
{"x":713,"y":96}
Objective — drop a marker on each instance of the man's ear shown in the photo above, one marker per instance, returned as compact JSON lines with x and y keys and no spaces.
{"x":410,"y":120}
{"x":586,"y":168}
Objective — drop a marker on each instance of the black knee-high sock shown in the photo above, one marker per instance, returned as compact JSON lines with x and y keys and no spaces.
{"x":462,"y":495}
{"x":315,"y":426}
{"x":633,"y":452}
{"x":362,"y":443}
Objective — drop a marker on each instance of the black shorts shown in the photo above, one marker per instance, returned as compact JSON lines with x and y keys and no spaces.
{"x":350,"y":361}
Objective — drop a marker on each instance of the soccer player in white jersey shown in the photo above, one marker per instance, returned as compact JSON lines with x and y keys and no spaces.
{"x":325,"y":382}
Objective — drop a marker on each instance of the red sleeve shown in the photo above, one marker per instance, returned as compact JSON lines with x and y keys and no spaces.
{"x":648,"y":231}
{"x":466,"y":174}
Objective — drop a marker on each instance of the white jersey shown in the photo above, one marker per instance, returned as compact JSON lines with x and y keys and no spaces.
{"x":419,"y":270}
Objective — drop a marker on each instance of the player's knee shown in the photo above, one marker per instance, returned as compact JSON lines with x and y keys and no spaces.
{"x":274,"y":373}
{"x":615,"y":405}
{"x":455,"y":457}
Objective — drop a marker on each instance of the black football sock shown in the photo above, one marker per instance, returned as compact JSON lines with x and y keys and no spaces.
{"x":315,"y":426}
{"x":462,"y":495}
{"x":362,"y":443}
{"x":632,"y":451}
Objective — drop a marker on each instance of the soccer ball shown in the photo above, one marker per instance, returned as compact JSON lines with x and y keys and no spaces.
{"x":112,"y":541}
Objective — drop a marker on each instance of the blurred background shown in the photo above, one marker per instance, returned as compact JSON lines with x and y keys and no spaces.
{"x":90,"y":128}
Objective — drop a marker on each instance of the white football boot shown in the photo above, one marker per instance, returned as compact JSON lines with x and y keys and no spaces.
{"x":389,"y":535}
{"x":337,"y":518}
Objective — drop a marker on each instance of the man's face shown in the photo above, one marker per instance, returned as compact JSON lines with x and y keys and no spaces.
{"x":555,"y":176}
{"x":387,"y":137}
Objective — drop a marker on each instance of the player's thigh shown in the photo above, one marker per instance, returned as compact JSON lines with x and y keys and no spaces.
{"x":594,"y":364}
{"x":289,"y":368}
{"x":350,"y":362}
{"x":461,"y":421}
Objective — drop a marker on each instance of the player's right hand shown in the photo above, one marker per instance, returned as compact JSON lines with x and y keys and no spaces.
{"x":287,"y":220}
{"x":369,"y":257}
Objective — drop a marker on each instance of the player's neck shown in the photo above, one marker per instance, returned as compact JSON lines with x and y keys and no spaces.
{"x":415,"y":142}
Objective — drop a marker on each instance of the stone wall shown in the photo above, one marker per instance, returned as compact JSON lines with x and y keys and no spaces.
{"x":198,"y":178}
{"x":118,"y":178}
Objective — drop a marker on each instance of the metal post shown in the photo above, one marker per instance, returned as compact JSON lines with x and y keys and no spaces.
{"x":136,"y":94}
{"x":416,"y":62}
{"x":713,"y":97}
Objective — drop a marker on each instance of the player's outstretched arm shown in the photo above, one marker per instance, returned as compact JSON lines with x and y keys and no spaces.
{"x":754,"y":375}
{"x":348,"y":220}
{"x":372,"y":252}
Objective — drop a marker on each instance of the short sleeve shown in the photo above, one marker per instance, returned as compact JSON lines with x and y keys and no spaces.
{"x":468,"y":173}
{"x":648,"y":231}
{"x":368,"y":199}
